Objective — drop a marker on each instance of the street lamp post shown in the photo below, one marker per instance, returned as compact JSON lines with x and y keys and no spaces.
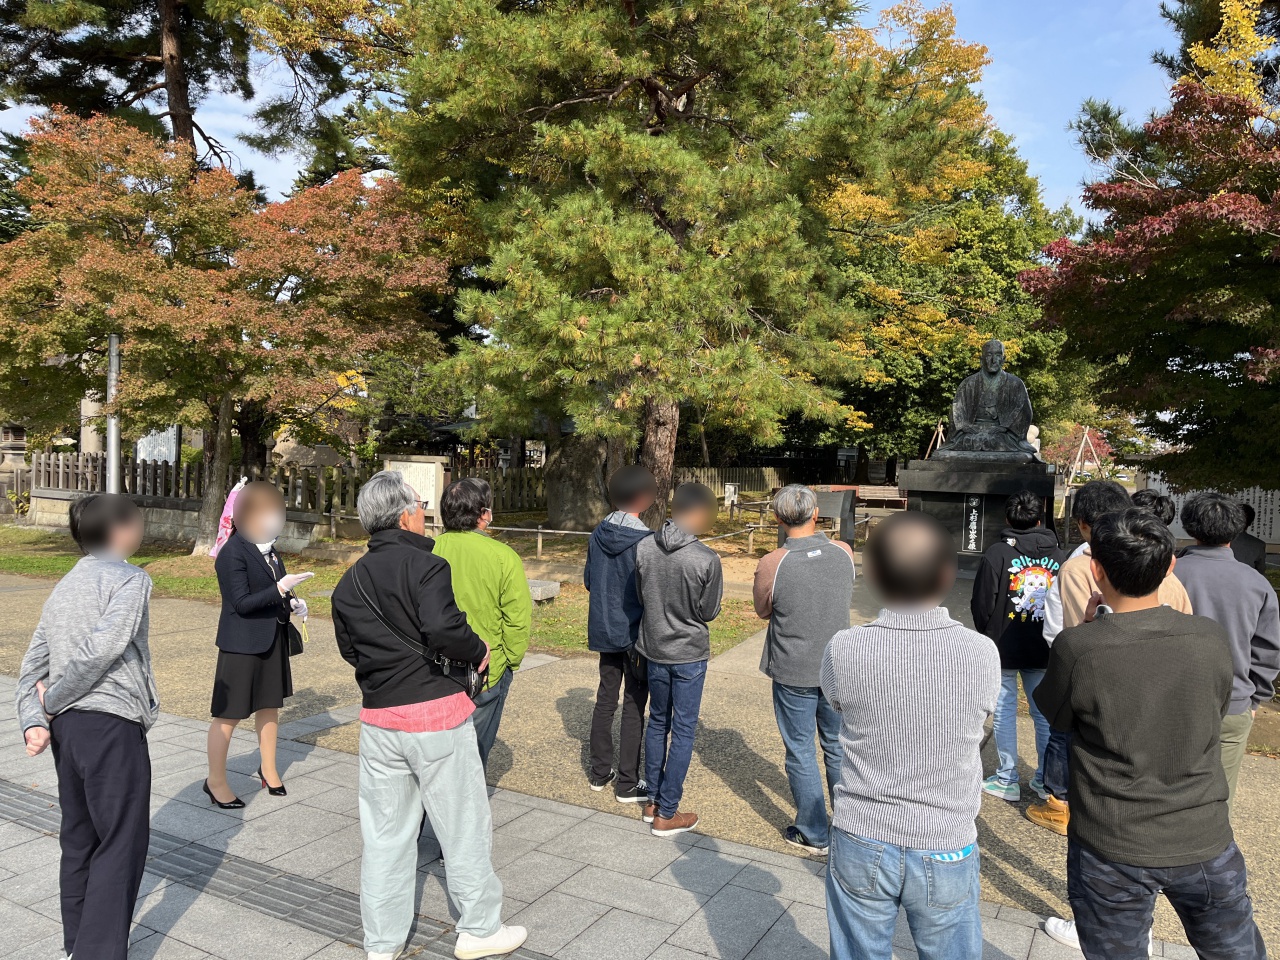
{"x":113,"y":422}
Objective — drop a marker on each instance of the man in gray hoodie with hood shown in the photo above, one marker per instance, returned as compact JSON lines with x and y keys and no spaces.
{"x":680,"y":584}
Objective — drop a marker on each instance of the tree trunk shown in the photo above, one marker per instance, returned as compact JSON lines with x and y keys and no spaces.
{"x":254,"y":426}
{"x":702,"y":437}
{"x":658,"y":453}
{"x":177,"y":89}
{"x":217,"y":460}
{"x":575,"y":480}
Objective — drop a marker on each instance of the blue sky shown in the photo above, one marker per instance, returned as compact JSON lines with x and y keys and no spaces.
{"x":1045,"y":59}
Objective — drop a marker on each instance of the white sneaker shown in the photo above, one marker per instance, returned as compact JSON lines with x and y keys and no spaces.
{"x":1064,"y":931}
{"x":506,"y":940}
{"x":386,"y":956}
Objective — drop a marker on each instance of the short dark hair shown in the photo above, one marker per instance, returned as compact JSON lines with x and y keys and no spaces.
{"x":629,"y":484}
{"x":911,"y":556}
{"x":1098,"y":498}
{"x":464,"y":502}
{"x":693,"y":496}
{"x":1157,"y":504}
{"x":1250,"y":514}
{"x":1134,"y":548}
{"x":1024,"y":510}
{"x":1213,"y":518}
{"x":96,"y":517}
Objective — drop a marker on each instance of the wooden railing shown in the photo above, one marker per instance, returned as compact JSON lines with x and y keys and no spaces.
{"x":515,"y":489}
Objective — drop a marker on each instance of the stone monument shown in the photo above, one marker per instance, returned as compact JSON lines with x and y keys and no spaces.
{"x":986,"y":458}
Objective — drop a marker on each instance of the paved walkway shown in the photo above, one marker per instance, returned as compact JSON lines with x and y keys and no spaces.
{"x":280,"y":879}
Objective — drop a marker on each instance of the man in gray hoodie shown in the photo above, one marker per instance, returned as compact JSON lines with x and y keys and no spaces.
{"x":680,"y":584}
{"x":86,"y":688}
{"x":1243,"y":602}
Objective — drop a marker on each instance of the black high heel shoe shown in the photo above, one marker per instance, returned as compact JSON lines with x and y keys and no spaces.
{"x":236,"y":804}
{"x":279,"y":791}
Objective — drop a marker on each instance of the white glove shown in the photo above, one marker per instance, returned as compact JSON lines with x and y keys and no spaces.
{"x":287,"y":583}
{"x":299,"y":608}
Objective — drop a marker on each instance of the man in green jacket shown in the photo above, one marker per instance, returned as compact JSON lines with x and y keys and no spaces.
{"x":490,"y":587}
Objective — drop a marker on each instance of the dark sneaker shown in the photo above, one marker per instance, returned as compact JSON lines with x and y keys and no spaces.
{"x":674,"y":824}
{"x":598,"y":785}
{"x":637,"y":794}
{"x":801,"y":842}
{"x":650,"y":811}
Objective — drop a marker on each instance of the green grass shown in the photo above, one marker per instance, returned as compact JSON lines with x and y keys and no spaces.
{"x":559,"y":626}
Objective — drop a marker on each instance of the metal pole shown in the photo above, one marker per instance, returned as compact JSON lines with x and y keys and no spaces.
{"x":113,"y":422}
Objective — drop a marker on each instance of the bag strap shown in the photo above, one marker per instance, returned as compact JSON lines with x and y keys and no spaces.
{"x":373,"y":608}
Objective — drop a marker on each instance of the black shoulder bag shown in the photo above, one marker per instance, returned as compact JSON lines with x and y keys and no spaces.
{"x":472,"y":680}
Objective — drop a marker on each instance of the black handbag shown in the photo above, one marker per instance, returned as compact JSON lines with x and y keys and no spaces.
{"x":297,"y":639}
{"x":472,"y":680}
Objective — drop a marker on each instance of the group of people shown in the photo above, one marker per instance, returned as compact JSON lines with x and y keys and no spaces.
{"x":1142,"y":672}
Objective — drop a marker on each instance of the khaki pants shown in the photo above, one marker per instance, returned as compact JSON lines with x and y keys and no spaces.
{"x":1235,"y":737}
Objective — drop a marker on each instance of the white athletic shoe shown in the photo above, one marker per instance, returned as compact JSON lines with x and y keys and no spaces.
{"x":506,"y":940}
{"x":386,"y":956}
{"x":1064,"y":931}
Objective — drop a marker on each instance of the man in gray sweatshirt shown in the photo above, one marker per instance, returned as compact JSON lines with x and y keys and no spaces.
{"x":1240,"y":600}
{"x":680,"y":584}
{"x":87,"y":689}
{"x":804,"y":589}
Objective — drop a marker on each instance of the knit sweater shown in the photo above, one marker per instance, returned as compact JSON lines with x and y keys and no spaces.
{"x":914,"y":689}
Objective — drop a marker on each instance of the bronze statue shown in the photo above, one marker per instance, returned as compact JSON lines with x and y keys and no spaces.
{"x":990,"y":415}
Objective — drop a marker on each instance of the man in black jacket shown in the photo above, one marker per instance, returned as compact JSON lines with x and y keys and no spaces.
{"x":1008,"y":606}
{"x":1247,"y":548}
{"x":395,"y":619}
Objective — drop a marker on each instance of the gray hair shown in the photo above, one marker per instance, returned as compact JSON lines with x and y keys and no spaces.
{"x":383,"y":498}
{"x":794,"y":504}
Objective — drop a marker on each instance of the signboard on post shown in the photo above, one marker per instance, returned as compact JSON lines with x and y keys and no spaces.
{"x":426,"y":476}
{"x":972,"y":531}
{"x":730,"y":493}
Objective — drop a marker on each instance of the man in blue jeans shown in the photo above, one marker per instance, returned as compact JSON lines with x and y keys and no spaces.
{"x":905,"y":833}
{"x":804,"y":589}
{"x":680,"y":584}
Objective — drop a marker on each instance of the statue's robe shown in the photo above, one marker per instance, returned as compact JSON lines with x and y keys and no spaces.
{"x":990,"y":415}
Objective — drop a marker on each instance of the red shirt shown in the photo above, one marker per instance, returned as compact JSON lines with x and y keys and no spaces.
{"x":431,"y":716}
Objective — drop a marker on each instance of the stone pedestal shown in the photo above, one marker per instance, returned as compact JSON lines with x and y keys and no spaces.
{"x":968,"y":496}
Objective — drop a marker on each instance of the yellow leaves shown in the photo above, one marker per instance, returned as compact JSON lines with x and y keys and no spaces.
{"x":1228,"y":64}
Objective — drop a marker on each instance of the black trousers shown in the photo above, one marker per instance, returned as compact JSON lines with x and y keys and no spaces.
{"x":629,"y":672}
{"x":1114,"y":902}
{"x":104,"y":787}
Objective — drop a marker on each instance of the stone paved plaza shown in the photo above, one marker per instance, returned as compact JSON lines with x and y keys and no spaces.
{"x":280,"y":879}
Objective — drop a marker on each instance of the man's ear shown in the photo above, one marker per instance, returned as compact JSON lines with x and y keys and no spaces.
{"x":1099,"y":574}
{"x":1173,"y":562}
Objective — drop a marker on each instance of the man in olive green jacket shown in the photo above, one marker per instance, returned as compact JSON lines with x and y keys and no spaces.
{"x":490,"y":587}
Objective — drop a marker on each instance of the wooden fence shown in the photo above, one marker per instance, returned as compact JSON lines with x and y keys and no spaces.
{"x":515,"y":490}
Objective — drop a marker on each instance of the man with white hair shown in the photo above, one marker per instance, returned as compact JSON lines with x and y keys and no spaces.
{"x":397,"y":623}
{"x":805,"y":590}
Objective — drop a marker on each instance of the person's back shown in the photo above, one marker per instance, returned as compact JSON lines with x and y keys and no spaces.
{"x":904,"y":830}
{"x":681,"y":585}
{"x":1142,"y":689}
{"x":1248,"y":549}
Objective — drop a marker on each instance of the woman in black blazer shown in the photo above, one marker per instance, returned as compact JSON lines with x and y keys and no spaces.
{"x":253,"y":677}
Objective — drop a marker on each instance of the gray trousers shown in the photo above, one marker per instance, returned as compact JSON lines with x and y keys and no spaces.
{"x":402,"y":774}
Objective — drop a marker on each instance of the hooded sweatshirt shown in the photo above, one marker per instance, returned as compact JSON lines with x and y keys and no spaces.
{"x":680,"y":585}
{"x":1009,"y":593}
{"x":613,"y":614}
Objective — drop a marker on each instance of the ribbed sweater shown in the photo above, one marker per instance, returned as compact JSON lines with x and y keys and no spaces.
{"x":914,"y":689}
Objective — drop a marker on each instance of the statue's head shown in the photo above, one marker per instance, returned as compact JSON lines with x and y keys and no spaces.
{"x":992,"y":357}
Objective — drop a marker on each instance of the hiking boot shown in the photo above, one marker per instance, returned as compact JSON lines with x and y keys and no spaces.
{"x":998,"y":788}
{"x":598,"y":785}
{"x":506,"y":940}
{"x":650,"y":811}
{"x":1053,"y":815}
{"x":676,"y":823}
{"x":1037,"y":787}
{"x":801,"y":842}
{"x":637,"y":794}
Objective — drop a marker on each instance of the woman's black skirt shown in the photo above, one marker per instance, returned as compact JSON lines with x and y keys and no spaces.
{"x":245,"y":683}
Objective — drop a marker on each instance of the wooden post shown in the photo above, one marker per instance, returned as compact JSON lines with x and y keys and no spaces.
{"x":751,"y":540}
{"x":539,"y":554}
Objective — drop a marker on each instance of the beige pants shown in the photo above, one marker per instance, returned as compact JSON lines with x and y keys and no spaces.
{"x":1235,"y":737}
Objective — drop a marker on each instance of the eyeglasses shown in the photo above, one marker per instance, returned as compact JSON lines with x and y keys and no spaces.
{"x":422,"y":505}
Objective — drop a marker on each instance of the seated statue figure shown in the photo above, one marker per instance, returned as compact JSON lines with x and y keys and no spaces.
{"x":990,"y":415}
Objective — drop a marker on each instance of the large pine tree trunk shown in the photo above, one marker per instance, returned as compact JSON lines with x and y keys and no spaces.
{"x":176,"y":87}
{"x":575,"y":480}
{"x":658,"y":452}
{"x":218,"y":460}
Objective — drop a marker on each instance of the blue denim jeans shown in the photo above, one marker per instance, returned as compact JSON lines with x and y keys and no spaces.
{"x":1057,"y":764}
{"x":675,"y":698}
{"x":802,"y":713}
{"x":1005,"y":723}
{"x":489,"y":714}
{"x":868,"y":881}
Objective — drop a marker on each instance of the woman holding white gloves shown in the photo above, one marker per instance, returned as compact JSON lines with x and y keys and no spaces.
{"x":253,"y":676}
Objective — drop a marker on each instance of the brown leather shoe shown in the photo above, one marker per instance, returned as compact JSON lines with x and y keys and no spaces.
{"x":650,"y":811}
{"x":670,"y":826}
{"x":1053,"y":815}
